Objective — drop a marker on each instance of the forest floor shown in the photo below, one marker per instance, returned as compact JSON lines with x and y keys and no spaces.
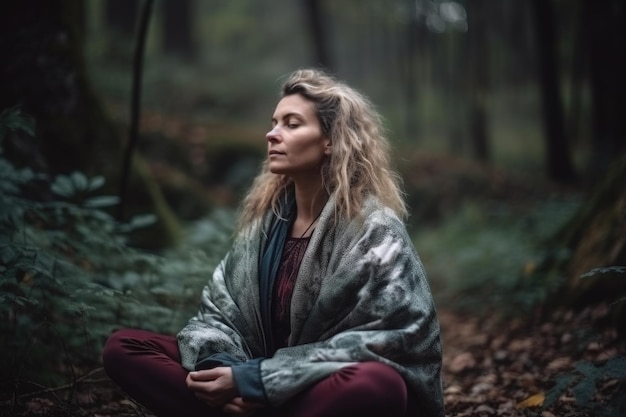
{"x":492,"y":367}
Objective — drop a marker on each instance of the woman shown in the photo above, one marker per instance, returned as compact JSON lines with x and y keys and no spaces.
{"x":321,"y":307}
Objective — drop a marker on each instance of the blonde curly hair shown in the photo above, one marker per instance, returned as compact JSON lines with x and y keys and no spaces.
{"x":359,"y":164}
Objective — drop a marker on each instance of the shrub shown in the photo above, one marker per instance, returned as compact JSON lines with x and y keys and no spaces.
{"x":68,"y":276}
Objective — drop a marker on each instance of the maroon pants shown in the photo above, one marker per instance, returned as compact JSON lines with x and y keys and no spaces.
{"x":147,"y":366}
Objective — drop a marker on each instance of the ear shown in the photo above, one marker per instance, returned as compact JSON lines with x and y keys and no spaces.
{"x":328,"y":146}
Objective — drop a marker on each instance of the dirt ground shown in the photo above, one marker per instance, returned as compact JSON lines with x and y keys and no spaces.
{"x":492,"y":367}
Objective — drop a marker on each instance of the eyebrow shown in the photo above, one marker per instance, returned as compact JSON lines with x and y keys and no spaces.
{"x":288,"y":115}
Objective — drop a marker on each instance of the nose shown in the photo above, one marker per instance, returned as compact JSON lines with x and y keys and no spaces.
{"x":272,"y":134}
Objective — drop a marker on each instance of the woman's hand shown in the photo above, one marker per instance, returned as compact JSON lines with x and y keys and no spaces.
{"x":238,"y":406}
{"x":215,"y":387}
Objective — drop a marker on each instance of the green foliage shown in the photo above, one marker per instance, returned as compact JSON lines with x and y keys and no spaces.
{"x":583,"y":382}
{"x":12,"y":120}
{"x":485,"y":256}
{"x":68,"y":276}
{"x":612,"y":270}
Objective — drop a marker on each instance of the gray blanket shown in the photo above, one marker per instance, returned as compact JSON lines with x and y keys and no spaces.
{"x":361,"y":295}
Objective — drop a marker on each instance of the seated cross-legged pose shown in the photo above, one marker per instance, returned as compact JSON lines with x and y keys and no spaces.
{"x":321,"y":307}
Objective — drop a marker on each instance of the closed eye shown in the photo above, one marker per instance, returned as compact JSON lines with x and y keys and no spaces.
{"x":290,"y":121}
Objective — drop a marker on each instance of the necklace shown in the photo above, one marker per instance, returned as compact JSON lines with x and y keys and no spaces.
{"x":310,"y":225}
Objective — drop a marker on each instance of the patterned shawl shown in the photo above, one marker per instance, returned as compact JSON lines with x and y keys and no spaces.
{"x":361,"y":295}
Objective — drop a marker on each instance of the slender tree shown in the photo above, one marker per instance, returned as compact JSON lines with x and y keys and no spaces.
{"x":133,"y":136}
{"x":409,"y":56}
{"x":178,"y":40}
{"x":558,"y":155}
{"x":314,"y":16}
{"x":479,"y":80}
{"x":606,"y":31}
{"x":121,"y":16}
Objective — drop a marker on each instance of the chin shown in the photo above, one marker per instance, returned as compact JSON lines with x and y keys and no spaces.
{"x":275,"y":170}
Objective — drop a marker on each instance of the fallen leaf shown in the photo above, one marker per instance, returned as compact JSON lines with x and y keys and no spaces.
{"x":532,"y":401}
{"x":483,"y":408}
{"x":462,"y":362}
{"x":559,"y":364}
{"x":454,"y":389}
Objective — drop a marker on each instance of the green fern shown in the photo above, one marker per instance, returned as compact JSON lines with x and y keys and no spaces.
{"x":12,"y":120}
{"x":583,"y":382}
{"x":612,"y":270}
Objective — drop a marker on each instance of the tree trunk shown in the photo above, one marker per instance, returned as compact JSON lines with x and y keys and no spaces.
{"x":410,"y":59}
{"x":478,"y":93}
{"x":558,"y":158}
{"x":606,"y":31}
{"x":121,"y":15}
{"x":315,"y":20}
{"x":178,"y":28}
{"x":46,"y":76}
{"x":578,"y":72}
{"x":595,"y":240}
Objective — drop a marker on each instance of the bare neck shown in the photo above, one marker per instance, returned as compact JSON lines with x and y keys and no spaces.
{"x":310,"y":200}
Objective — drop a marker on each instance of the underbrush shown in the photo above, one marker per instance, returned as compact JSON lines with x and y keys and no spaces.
{"x":485,"y":259}
{"x":482,"y":257}
{"x":68,"y":276}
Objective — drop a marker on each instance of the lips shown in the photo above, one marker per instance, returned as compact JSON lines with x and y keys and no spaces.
{"x":275,"y":153}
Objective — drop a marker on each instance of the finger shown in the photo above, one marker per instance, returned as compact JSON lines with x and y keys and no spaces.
{"x":204,"y":375}
{"x":200,"y":384}
{"x":234,"y":409}
{"x":210,"y":396}
{"x":238,"y":402}
{"x":206,"y":399}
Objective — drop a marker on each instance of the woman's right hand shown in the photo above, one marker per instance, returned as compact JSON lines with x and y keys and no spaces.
{"x":237,"y":406}
{"x":215,"y":387}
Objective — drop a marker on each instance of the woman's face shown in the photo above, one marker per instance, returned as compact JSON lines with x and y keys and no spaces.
{"x":296,"y":145}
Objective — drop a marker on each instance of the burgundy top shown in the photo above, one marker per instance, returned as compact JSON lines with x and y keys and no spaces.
{"x":283,"y":288}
